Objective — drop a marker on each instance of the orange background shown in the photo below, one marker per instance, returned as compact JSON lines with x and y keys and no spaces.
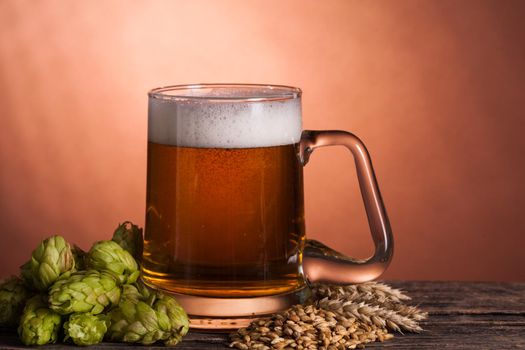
{"x":434,"y":88}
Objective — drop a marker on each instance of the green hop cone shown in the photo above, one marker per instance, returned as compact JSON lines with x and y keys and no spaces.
{"x":129,"y":237}
{"x":52,"y":259}
{"x":146,"y":320}
{"x":13,"y":295}
{"x":39,"y":325}
{"x":108,"y":255}
{"x":180,"y":325}
{"x":85,"y":328}
{"x":137,"y":322}
{"x":85,"y":291}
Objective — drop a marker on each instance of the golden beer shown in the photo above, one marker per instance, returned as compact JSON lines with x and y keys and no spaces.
{"x":224,"y":222}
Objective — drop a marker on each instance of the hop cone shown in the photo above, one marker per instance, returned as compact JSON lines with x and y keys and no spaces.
{"x":137,"y":322}
{"x":85,"y":328}
{"x":84,"y":291}
{"x":13,"y":295}
{"x":129,"y":237}
{"x":108,"y":255}
{"x":50,"y":260}
{"x":146,"y":321}
{"x":177,"y":316}
{"x":39,"y":325}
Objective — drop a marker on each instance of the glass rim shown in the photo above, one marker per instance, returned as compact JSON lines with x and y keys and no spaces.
{"x":255,"y":92}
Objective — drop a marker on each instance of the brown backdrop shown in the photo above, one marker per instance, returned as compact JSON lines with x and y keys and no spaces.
{"x":434,"y":88}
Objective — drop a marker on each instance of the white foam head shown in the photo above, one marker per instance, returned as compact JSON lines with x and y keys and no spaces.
{"x":223,"y":123}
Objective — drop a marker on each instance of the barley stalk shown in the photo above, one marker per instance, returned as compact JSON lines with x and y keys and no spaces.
{"x":409,"y":311}
{"x":339,"y":317}
{"x":365,"y":292}
{"x":373,"y":294}
{"x":372,"y":314}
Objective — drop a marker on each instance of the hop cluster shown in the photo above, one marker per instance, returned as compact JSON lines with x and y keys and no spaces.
{"x":91,"y":296}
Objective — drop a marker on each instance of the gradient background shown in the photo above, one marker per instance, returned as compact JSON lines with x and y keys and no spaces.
{"x":436,"y":89}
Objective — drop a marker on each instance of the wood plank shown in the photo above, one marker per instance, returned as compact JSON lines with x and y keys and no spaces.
{"x":466,"y":298}
{"x":449,"y":332}
{"x":463,"y":332}
{"x":463,"y":315}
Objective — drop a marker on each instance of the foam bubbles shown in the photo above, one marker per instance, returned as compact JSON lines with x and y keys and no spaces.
{"x":224,"y":124}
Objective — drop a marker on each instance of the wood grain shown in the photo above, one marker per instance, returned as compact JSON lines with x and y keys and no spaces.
{"x":473,"y":315}
{"x":461,"y":298}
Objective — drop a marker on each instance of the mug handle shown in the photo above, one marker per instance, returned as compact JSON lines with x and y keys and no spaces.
{"x":322,"y":264}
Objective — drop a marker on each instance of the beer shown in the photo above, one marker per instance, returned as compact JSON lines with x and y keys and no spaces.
{"x":225,"y":212}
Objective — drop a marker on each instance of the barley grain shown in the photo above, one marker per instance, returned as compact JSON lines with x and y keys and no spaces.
{"x":338,"y":317}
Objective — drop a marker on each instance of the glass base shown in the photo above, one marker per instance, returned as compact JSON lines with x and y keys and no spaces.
{"x":208,"y":313}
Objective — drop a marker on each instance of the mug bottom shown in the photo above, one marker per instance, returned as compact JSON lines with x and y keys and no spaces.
{"x":209,"y":313}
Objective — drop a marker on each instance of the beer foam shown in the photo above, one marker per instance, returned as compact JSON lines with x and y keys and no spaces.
{"x":224,"y":124}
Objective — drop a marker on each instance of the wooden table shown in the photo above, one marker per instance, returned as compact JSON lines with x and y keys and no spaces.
{"x":463,"y":315}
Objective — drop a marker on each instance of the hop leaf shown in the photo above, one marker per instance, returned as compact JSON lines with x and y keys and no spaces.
{"x":109,"y":256}
{"x":13,"y":295}
{"x":39,"y":325}
{"x":85,"y":328}
{"x":52,"y":259}
{"x":147,"y":317}
{"x":85,"y":291}
{"x":129,"y":237}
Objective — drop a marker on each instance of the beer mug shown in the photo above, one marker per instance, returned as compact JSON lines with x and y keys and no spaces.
{"x":225,"y":227}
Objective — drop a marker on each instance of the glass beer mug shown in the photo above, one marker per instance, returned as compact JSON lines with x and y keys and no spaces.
{"x":225,"y":230}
